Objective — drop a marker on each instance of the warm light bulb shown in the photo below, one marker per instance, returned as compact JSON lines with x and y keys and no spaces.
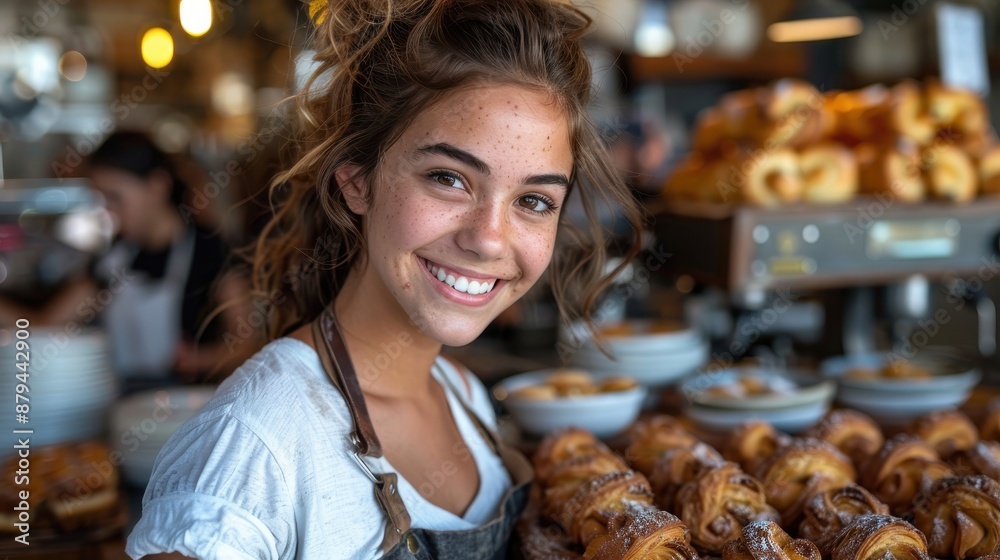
{"x":196,"y":16}
{"x":157,"y":47}
{"x":816,"y":29}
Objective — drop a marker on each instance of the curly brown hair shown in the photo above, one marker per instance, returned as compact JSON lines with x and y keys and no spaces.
{"x":379,"y":64}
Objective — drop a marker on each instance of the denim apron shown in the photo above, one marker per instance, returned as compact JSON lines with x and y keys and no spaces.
{"x":400,"y":540}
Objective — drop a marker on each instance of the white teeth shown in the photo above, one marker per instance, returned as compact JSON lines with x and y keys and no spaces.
{"x":474,"y":288}
{"x":462,"y":284}
{"x":450,"y":280}
{"x":441,"y":274}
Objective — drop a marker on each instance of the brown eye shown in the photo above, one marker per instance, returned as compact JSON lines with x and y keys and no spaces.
{"x":446,"y":180}
{"x":529,"y":202}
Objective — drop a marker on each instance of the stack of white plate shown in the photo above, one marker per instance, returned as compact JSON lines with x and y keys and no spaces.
{"x":142,"y":423}
{"x":649,"y":355}
{"x":70,"y":385}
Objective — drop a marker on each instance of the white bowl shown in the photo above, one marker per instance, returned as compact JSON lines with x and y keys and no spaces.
{"x":604,"y":414}
{"x":650,"y":371}
{"x":654,"y":343}
{"x":801,"y":389}
{"x":895,"y":402}
{"x":792,"y":419}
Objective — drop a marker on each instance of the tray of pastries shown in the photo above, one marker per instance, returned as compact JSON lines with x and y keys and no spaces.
{"x":842,"y":490}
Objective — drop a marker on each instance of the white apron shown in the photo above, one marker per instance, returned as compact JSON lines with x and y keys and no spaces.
{"x":143,"y":318}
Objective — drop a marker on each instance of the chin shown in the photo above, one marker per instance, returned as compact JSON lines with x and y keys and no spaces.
{"x":459,"y":333}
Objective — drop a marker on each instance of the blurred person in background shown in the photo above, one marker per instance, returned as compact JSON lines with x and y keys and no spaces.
{"x":164,"y":277}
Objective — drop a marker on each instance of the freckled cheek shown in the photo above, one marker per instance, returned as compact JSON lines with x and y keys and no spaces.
{"x":535,"y":249}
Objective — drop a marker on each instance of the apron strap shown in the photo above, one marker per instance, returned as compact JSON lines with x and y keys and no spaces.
{"x":338,"y":366}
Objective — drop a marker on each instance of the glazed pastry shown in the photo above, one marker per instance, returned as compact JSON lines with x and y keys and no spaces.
{"x":949,"y":173}
{"x":753,"y":443}
{"x":696,"y":178}
{"x":947,"y":431}
{"x":719,"y":503}
{"x":829,"y":174}
{"x":910,"y":116}
{"x":960,"y":516}
{"x":679,"y":466}
{"x":790,"y":110}
{"x":983,"y":458}
{"x":561,"y":445}
{"x":905,"y":466}
{"x":771,"y":178}
{"x":829,"y":512}
{"x":642,"y":533}
{"x":586,"y":514}
{"x":853,"y":433}
{"x":960,"y":115}
{"x":650,"y":438}
{"x":877,"y":537}
{"x":892,"y":171}
{"x":860,"y":115}
{"x":567,"y":477}
{"x":800,"y":470}
{"x":764,"y":540}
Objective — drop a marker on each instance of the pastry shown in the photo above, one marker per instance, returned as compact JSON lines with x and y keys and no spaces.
{"x":717,"y":504}
{"x":828,"y":513}
{"x":990,"y":428}
{"x":790,"y":111}
{"x":988,"y":168}
{"x":855,"y":434}
{"x":561,"y":445}
{"x":642,"y":533}
{"x":949,"y":173}
{"x":829,"y":173}
{"x":648,"y":439}
{"x":960,"y":517}
{"x":892,"y":171}
{"x":679,"y":466}
{"x":860,"y":115}
{"x":910,"y":115}
{"x":878,"y":537}
{"x":800,"y":470}
{"x":982,"y":458}
{"x":770,"y":178}
{"x":947,"y":431}
{"x":586,"y":514}
{"x":960,"y":116}
{"x":903,"y":467}
{"x":567,"y":477}
{"x":764,"y":540}
{"x":753,"y":443}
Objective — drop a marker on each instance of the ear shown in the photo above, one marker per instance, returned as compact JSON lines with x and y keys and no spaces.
{"x":354,"y":187}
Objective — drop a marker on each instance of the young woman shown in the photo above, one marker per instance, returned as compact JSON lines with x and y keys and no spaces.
{"x":439,"y":140}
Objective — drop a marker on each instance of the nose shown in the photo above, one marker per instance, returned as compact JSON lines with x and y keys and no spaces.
{"x":485,"y":231}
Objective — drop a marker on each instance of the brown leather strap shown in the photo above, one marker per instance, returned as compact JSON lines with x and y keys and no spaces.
{"x":339,"y":368}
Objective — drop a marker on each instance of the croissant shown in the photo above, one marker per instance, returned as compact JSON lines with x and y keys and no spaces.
{"x":853,"y":433}
{"x":764,"y":540}
{"x":902,"y":468}
{"x":960,"y":516}
{"x":983,"y":458}
{"x":990,"y":428}
{"x":790,"y":111}
{"x":752,"y":444}
{"x":678,"y":466}
{"x":829,"y":173}
{"x":892,"y":171}
{"x":719,"y":503}
{"x":561,"y":445}
{"x":772,"y":178}
{"x":567,"y":477}
{"x":947,"y":431}
{"x":800,"y":470}
{"x":642,"y":533}
{"x":950,"y":173}
{"x":650,"y":438}
{"x":586,"y":514}
{"x":828,"y":513}
{"x":910,"y":115}
{"x":877,"y":537}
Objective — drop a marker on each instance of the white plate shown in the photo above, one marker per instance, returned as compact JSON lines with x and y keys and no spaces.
{"x":604,"y":414}
{"x":652,"y":373}
{"x":793,"y":419}
{"x":949,"y":376}
{"x":802,"y":389}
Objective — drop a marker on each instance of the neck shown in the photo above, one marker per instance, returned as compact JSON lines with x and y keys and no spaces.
{"x":163,"y":230}
{"x":391,"y":356}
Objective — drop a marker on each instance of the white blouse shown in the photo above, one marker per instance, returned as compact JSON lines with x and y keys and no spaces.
{"x":266,"y":470}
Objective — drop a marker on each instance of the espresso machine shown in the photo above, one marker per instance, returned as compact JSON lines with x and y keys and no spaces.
{"x":873,"y":274}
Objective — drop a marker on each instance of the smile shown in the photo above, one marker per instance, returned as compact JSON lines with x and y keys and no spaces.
{"x":458,"y":282}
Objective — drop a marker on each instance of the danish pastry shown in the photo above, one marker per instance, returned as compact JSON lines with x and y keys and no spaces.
{"x":904,"y":466}
{"x":829,"y":174}
{"x":752,"y":444}
{"x":910,"y":115}
{"x":893,"y":170}
{"x":764,"y":540}
{"x":650,"y":438}
{"x":855,"y":434}
{"x":947,"y":431}
{"x":949,"y":173}
{"x":679,"y":466}
{"x":642,"y":533}
{"x":960,"y":517}
{"x":877,"y":537}
{"x":798,"y":471}
{"x":587,"y":513}
{"x":983,"y":458}
{"x":771,"y":178}
{"x":828,"y":513}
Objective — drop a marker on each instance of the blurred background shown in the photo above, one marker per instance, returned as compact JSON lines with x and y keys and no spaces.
{"x":137,"y":140}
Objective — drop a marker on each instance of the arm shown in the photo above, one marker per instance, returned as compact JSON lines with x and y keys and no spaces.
{"x":64,"y":307}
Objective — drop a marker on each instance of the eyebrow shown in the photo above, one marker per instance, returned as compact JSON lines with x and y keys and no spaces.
{"x":479,"y":165}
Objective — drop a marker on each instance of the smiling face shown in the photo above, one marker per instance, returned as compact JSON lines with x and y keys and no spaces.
{"x":465,"y":210}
